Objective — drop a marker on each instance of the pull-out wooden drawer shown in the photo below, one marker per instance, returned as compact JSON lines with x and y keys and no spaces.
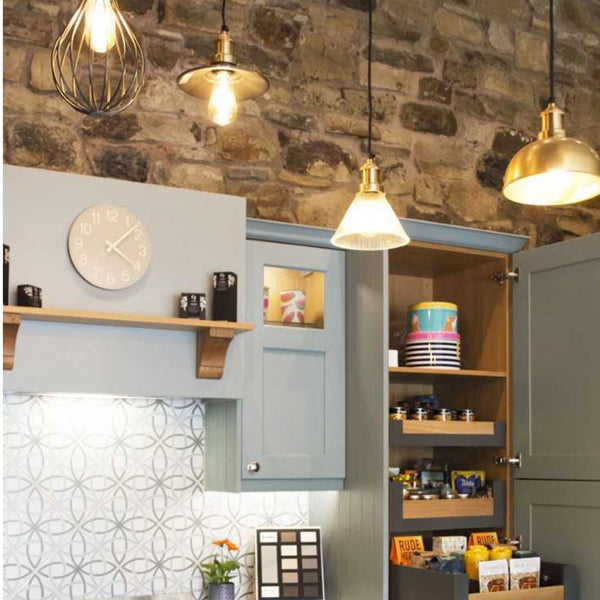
{"x":411,"y":583}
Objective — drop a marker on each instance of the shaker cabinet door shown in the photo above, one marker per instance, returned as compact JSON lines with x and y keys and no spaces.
{"x":294,"y":406}
{"x":556,"y":360}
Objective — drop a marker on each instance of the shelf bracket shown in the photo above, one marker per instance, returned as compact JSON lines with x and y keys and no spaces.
{"x":10,"y":328}
{"x":211,"y":352}
{"x":501,"y":277}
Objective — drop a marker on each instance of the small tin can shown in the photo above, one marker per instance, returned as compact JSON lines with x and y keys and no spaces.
{"x":466,"y":415}
{"x":443,"y":414}
{"x":398,"y":413}
{"x":419,"y":414}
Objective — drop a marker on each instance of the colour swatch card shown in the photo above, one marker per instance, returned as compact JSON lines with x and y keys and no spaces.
{"x":289,"y":564}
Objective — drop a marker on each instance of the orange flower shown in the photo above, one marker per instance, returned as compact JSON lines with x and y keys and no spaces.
{"x":225,"y":542}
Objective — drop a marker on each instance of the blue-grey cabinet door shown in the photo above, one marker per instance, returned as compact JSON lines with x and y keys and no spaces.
{"x":294,"y":406}
{"x":556,"y":360}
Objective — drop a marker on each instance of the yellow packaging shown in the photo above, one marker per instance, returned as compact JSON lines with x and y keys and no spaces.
{"x":472,"y":557}
{"x":486,"y":538}
{"x":403,"y":548}
{"x":501,"y":552}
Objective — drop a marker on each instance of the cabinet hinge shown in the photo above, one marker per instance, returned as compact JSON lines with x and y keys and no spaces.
{"x":511,"y":461}
{"x":501,"y":277}
{"x":516,"y":540}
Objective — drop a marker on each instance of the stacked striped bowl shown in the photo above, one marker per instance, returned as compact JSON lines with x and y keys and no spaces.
{"x":433,"y":340}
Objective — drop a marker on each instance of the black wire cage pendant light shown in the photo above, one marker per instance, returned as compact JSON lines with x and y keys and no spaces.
{"x":223,"y":83}
{"x":370,"y":222}
{"x":97,"y":61}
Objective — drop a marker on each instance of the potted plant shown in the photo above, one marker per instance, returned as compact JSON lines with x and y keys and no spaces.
{"x":219,"y":571}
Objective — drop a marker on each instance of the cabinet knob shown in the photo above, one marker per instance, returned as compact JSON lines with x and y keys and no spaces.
{"x":253,"y":467}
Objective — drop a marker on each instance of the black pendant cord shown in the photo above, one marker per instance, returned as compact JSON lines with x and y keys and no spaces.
{"x":224,"y":24}
{"x":551,"y":52}
{"x":369,"y":79}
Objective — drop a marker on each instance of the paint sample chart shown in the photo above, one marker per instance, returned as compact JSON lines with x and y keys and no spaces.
{"x":289,"y":564}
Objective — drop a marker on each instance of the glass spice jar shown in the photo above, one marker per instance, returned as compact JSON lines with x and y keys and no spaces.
{"x":442,"y":414}
{"x":398,"y":413}
{"x":419,"y":414}
{"x":467,"y":415}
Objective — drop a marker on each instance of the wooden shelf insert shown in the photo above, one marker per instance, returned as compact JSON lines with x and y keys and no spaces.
{"x":213,"y":337}
{"x":454,"y":433}
{"x":554,"y":592}
{"x":448,"y":428}
{"x":443,"y":373}
{"x":437,"y":509}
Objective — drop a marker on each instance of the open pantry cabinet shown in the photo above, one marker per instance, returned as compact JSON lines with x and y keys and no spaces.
{"x":516,"y":380}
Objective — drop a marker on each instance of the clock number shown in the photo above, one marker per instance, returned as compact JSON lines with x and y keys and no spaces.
{"x":85,"y":228}
{"x":83,"y":259}
{"x":78,"y":243}
{"x":125,"y":276}
{"x":138,"y":235}
{"x":136,"y":265}
{"x":96,"y":218}
{"x":142,"y":250}
{"x":112,"y":215}
{"x":110,"y":279}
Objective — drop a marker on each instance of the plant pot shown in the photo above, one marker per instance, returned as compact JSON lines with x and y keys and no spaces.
{"x":221,"y":591}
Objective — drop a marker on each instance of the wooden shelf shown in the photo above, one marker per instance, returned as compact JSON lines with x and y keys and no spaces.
{"x":213,"y":337}
{"x":431,"y":515}
{"x":554,"y":592}
{"x":428,"y":372}
{"x":454,"y":433}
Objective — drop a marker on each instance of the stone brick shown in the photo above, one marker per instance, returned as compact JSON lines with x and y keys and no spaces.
{"x":244,"y":142}
{"x":390,"y":26}
{"x":275,"y":30}
{"x":163,"y":95}
{"x":444,"y":153}
{"x":273,"y":201}
{"x":463,"y":76}
{"x":386,"y":77}
{"x":41,"y":72}
{"x":396,"y":178}
{"x":355,"y":102}
{"x":570,"y":59}
{"x":291,"y":120}
{"x":358,"y":4}
{"x":504,"y":83}
{"x":139,"y":7}
{"x":500,"y":37}
{"x":48,"y":145}
{"x":401,"y":59}
{"x":195,"y":176}
{"x":435,"y":90}
{"x":28,"y":26}
{"x":119,"y":127}
{"x":14,"y":62}
{"x":319,"y":158}
{"x":430,"y":190}
{"x":453,"y":25}
{"x":248,"y":173}
{"x":336,"y":123}
{"x":120,"y":162}
{"x":483,"y":106}
{"x":470,"y":202}
{"x":429,"y":119}
{"x":531,"y":51}
{"x":328,"y":59}
{"x":163,"y":55}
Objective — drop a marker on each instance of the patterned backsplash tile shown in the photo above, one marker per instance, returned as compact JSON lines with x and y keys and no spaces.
{"x":104,"y":498}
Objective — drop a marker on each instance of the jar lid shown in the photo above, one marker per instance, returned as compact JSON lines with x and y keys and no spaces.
{"x":426,"y":305}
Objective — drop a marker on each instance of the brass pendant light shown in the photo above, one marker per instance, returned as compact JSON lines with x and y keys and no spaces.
{"x":370,"y":223}
{"x":555,"y":170}
{"x":97,"y":62}
{"x":223,"y":83}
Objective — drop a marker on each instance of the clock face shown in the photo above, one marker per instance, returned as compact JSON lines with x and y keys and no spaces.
{"x":109,"y":247}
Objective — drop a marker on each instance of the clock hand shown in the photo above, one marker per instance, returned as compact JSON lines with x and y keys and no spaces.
{"x":113,"y":246}
{"x":126,"y":258}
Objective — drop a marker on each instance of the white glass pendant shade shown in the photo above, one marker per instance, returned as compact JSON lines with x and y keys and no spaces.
{"x":370,"y":223}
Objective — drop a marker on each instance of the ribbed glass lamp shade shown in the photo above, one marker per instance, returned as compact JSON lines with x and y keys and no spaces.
{"x":554,"y":170}
{"x":97,"y":61}
{"x":370,"y":223}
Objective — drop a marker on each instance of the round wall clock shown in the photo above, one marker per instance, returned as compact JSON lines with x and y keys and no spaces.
{"x":109,"y":247}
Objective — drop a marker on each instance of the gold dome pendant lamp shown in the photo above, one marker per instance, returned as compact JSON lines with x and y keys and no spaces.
{"x":223,"y":83}
{"x":370,"y":223}
{"x":97,"y":61}
{"x":555,"y":170}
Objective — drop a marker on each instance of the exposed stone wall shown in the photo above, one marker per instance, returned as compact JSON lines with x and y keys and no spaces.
{"x":458,"y":88}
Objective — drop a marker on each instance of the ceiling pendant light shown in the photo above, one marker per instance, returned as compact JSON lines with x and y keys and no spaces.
{"x":370,"y":223}
{"x":555,"y":169}
{"x":97,"y":62}
{"x":222,"y":82}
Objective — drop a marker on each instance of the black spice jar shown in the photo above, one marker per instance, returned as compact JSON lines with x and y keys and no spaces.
{"x":224,"y":296}
{"x":29,"y":295}
{"x":192,"y":306}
